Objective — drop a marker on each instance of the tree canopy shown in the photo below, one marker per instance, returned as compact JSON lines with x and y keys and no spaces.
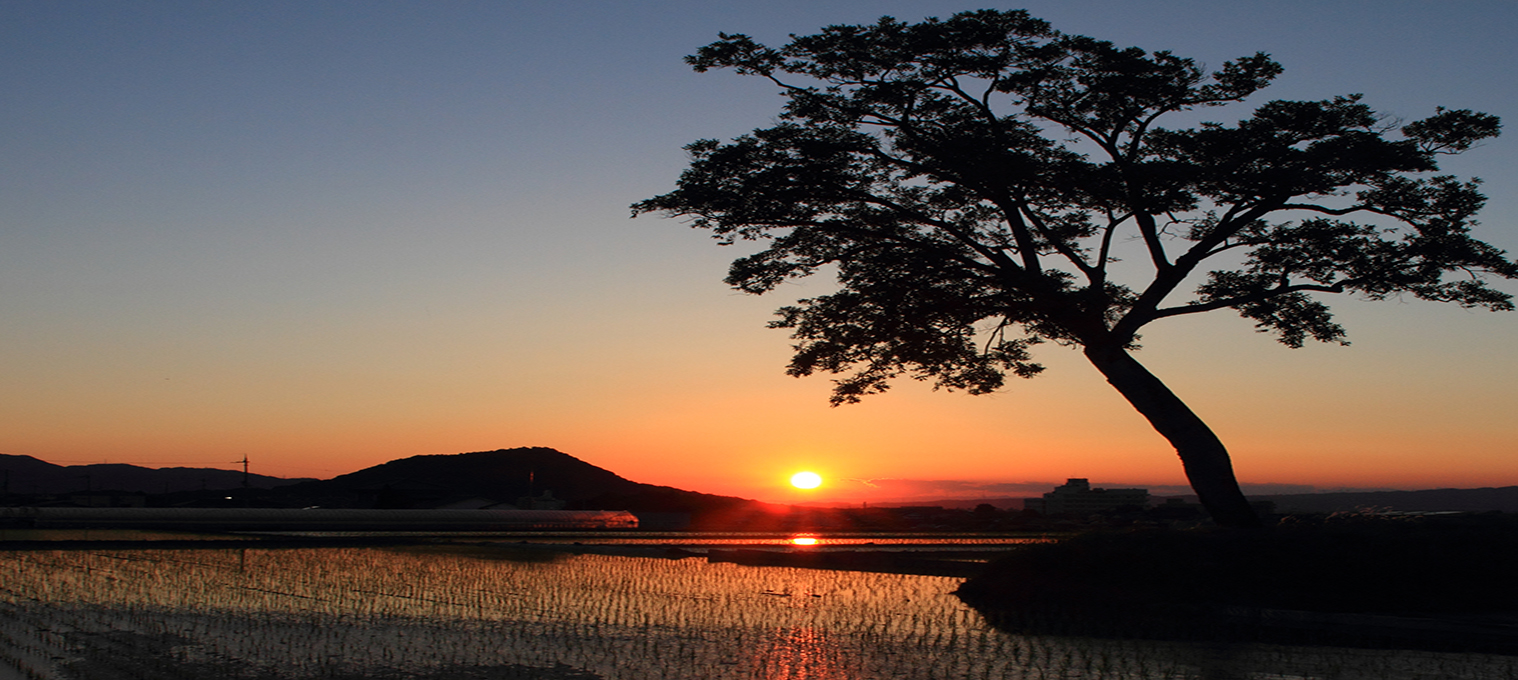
{"x":974,"y":180}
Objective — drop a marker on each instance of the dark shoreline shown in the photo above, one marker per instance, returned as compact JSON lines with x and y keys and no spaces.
{"x":1435,"y":583}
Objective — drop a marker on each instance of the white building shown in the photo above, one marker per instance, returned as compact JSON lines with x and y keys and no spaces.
{"x":1076,"y":498}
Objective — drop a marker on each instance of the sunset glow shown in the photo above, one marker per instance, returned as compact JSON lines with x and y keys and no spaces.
{"x":331,"y":235}
{"x":806,"y":480}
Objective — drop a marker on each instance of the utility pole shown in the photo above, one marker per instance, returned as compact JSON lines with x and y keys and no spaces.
{"x":247,"y":499}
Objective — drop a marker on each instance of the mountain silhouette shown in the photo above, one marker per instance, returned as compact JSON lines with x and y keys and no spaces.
{"x":506,"y":475}
{"x":502,"y":475}
{"x":28,"y":475}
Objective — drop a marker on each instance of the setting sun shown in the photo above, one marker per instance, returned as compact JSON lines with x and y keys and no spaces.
{"x":806,"y":480}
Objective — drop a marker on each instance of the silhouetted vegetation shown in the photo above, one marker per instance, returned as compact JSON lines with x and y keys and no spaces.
{"x":971,"y":181}
{"x":1229,"y":584}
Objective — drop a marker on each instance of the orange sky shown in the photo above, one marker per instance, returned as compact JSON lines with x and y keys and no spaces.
{"x":1394,"y":410}
{"x":329,"y":239}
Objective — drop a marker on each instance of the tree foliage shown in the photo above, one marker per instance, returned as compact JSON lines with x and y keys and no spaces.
{"x":973,"y":181}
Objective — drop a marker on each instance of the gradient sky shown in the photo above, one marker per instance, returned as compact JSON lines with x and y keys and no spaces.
{"x":330,"y":234}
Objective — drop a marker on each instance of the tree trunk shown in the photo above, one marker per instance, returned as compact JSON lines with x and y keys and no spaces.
{"x":1203,"y":456}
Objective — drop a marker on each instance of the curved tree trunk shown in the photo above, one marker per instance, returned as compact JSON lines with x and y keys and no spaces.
{"x":1203,"y":456}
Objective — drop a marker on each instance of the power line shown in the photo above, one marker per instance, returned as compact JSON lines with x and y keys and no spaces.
{"x":143,"y":462}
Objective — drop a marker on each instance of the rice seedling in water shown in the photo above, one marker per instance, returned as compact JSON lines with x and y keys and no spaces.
{"x":425,"y":613}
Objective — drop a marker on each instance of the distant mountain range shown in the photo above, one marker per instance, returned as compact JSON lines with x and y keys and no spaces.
{"x":508,"y":475}
{"x":25,"y":475}
{"x":481,"y":479}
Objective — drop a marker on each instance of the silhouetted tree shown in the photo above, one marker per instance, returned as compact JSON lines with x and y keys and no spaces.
{"x":972,"y":180}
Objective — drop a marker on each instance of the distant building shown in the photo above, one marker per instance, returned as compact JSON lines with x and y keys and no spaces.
{"x":1076,"y":498}
{"x":543,"y":502}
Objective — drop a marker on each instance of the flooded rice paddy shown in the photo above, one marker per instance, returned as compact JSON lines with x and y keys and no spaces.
{"x":498,"y":612}
{"x":700,"y":541}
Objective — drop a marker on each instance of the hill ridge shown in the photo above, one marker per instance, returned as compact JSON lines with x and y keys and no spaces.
{"x":30,"y":475}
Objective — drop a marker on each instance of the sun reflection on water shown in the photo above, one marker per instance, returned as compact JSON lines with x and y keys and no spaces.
{"x":803,"y":653}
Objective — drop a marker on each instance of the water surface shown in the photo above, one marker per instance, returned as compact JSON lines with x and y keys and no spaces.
{"x":491,"y":611}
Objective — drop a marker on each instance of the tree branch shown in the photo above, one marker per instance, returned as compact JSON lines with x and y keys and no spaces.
{"x":1059,"y":244}
{"x":1329,"y":211}
{"x":1261,"y":296}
